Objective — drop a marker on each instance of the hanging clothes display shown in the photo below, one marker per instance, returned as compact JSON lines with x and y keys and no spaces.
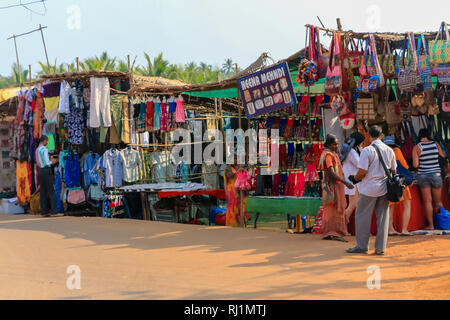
{"x":100,"y":107}
{"x":131,"y":163}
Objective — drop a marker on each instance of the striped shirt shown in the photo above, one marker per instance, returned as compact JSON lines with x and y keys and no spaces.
{"x":429,"y":158}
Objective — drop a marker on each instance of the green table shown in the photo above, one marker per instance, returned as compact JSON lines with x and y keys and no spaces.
{"x":283,"y":205}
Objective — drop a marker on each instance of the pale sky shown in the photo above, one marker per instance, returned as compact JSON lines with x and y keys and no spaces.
{"x":196,"y":30}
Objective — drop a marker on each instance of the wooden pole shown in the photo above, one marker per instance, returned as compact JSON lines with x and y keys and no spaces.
{"x":29,"y":74}
{"x":129,"y":63}
{"x":45,"y":48}
{"x":240,"y":104}
{"x":18,"y":62}
{"x":78,"y":64}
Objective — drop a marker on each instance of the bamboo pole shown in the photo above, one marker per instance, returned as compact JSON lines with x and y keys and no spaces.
{"x":29,"y":75}
{"x":78,"y":64}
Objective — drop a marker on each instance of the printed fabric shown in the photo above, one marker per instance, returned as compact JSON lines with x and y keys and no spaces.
{"x":74,"y":123}
{"x":113,"y":169}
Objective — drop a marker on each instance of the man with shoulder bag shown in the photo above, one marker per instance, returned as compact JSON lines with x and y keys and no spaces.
{"x":378,"y":184}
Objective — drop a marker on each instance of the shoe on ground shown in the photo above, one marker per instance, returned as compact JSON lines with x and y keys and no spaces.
{"x":356,"y":250}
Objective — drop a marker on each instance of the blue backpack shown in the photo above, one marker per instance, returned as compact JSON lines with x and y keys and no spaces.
{"x":409,"y":177}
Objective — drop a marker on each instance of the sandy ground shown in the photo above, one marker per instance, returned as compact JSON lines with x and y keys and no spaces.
{"x":130,"y":259}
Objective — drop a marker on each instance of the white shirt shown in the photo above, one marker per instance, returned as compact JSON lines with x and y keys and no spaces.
{"x":374,"y":183}
{"x":350,"y":167}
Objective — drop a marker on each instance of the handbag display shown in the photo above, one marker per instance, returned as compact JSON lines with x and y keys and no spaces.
{"x":418,"y":106}
{"x":407,"y":75}
{"x":365,"y":109}
{"x":444,"y":73}
{"x":395,"y":183}
{"x":440,"y":47}
{"x":393,"y":116}
{"x":355,"y":56}
{"x":334,"y":79}
{"x":387,"y":61}
{"x":425,"y":72}
{"x":372,"y":78}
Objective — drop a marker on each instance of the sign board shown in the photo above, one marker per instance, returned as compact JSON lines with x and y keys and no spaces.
{"x":267,"y":90}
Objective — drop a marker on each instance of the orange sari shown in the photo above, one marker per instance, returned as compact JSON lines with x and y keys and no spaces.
{"x":333,"y":220}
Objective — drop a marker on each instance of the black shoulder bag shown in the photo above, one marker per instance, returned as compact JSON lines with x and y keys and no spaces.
{"x":395,"y":183}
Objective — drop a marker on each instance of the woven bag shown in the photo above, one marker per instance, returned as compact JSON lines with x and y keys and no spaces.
{"x":444,"y":73}
{"x":440,"y":47}
{"x":365,"y":109}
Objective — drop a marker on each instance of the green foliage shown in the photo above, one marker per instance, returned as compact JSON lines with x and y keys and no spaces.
{"x":155,"y":66}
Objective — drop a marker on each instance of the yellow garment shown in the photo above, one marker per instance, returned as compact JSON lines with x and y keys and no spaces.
{"x":23,"y":185}
{"x":126,"y":124}
{"x":8,"y":93}
{"x":51,"y":103}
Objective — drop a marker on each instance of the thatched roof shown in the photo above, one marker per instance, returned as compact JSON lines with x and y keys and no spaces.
{"x":70,"y":76}
{"x":9,"y":107}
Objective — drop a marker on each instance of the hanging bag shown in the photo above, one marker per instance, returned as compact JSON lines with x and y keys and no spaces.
{"x":392,"y":117}
{"x":425,"y":71}
{"x":334,"y":80}
{"x":440,"y":47}
{"x":407,"y":146}
{"x":407,"y":75}
{"x":387,"y":64}
{"x":444,"y":73}
{"x":364,"y":74}
{"x":395,"y":183}
{"x":355,"y":57}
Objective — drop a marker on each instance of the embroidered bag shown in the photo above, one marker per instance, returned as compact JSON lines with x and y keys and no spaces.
{"x":425,"y":72}
{"x":334,"y":79}
{"x":440,"y":47}
{"x":407,"y":75}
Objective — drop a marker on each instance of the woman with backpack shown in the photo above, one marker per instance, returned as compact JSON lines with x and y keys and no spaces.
{"x":429,"y":178}
{"x":350,"y":152}
{"x":402,"y":167}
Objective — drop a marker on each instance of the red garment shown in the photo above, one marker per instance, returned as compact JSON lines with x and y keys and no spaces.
{"x":288,"y":130}
{"x":149,"y":116}
{"x":276,"y":184}
{"x":283,"y":156}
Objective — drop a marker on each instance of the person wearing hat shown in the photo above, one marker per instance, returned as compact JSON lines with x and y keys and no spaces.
{"x":406,"y":199}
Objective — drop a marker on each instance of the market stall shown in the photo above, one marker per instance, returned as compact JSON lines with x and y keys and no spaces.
{"x":398,"y":81}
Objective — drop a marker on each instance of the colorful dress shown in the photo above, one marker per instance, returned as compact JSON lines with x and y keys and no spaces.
{"x":233,"y":201}
{"x":333,"y":220}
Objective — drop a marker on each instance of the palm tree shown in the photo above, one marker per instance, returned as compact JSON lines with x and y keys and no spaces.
{"x":123,"y":65}
{"x":155,"y":68}
{"x":55,"y":68}
{"x":103,"y":63}
{"x":227,"y":66}
{"x":15,"y":74}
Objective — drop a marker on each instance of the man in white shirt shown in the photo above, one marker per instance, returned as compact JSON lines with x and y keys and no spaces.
{"x":372,"y":187}
{"x":45,"y":175}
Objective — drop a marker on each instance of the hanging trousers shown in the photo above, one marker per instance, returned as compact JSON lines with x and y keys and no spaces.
{"x":47,"y":191}
{"x":100,"y":104}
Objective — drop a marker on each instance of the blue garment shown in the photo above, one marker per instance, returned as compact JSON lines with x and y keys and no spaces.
{"x":72,"y":171}
{"x":172,"y":107}
{"x":89,"y":174}
{"x":59,"y":205}
{"x":157,"y":116}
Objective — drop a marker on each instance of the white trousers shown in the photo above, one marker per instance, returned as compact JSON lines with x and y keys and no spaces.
{"x":100,"y":104}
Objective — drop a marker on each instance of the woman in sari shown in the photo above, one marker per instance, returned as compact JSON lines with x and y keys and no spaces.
{"x":233,"y":213}
{"x":334,"y":225}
